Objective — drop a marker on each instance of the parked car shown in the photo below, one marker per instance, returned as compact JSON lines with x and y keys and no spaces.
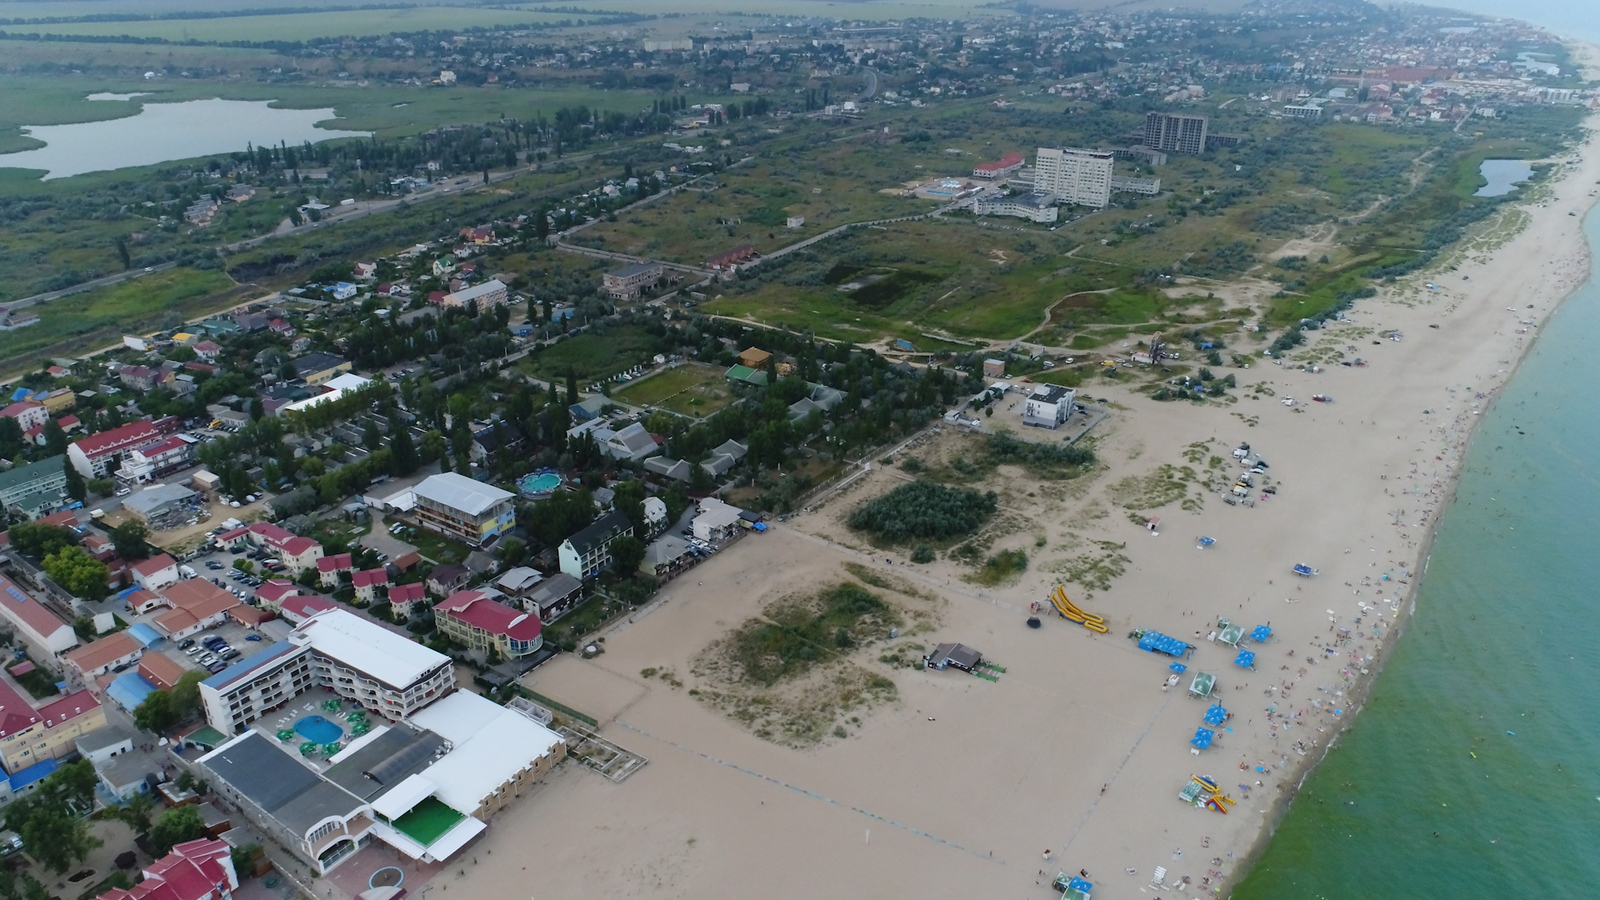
{"x":252,"y":637}
{"x":193,"y":651}
{"x":213,"y":564}
{"x":216,"y":667}
{"x":229,"y":653}
{"x":206,"y":659}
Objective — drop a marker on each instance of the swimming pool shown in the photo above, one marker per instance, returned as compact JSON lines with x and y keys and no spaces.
{"x":544,"y":481}
{"x":316,"y":728}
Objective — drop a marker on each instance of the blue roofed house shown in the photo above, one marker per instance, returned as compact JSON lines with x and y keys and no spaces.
{"x":129,"y":690}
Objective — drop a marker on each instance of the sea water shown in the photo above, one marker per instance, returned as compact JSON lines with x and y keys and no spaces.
{"x":1475,"y":768}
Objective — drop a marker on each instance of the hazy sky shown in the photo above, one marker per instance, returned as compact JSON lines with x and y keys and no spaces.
{"x":1575,"y":18}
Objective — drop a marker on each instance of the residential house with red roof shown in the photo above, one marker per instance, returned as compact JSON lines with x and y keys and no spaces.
{"x":85,"y":664}
{"x":29,"y":735}
{"x":33,"y":622}
{"x":197,"y":604}
{"x":155,"y":573}
{"x":1007,"y":164}
{"x":207,"y":350}
{"x":474,"y":619}
{"x":298,"y":608}
{"x":273,"y":592}
{"x":367,"y":581}
{"x":144,"y":464}
{"x":97,"y":455}
{"x":329,"y":568}
{"x":194,"y":870}
{"x":29,"y":415}
{"x":403,"y":598}
{"x":295,"y":552}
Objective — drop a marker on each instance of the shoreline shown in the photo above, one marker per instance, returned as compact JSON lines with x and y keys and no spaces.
{"x":1590,"y":56}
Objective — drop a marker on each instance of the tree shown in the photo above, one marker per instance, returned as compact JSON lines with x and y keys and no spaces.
{"x":136,"y":813}
{"x":561,"y":516}
{"x":157,"y":713}
{"x":39,"y":540}
{"x":55,"y":440}
{"x":176,"y":825}
{"x":258,"y":409}
{"x":10,"y":438}
{"x":131,"y":539}
{"x":77,"y":489}
{"x":79,"y":573}
{"x":627,"y":554}
{"x":55,"y":834}
{"x":572,"y":386}
{"x":402,"y":451}
{"x":122,"y":254}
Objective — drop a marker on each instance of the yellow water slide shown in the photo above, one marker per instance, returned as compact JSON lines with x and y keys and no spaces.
{"x":1072,"y":613}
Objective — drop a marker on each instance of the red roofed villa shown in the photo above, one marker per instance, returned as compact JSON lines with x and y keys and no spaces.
{"x":483,"y":624}
{"x":194,"y":870}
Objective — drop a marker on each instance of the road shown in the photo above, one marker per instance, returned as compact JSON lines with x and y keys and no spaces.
{"x":871,"y":86}
{"x":118,"y":278}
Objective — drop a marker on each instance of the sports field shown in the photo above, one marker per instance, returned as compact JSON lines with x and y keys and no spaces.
{"x":694,"y":389}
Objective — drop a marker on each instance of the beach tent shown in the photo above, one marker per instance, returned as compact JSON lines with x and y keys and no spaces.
{"x":1156,"y":642}
{"x":1245,"y":659}
{"x":1202,"y":684}
{"x":1202,"y":737}
{"x":1178,"y":667}
{"x":1231,"y":634}
{"x":1216,"y":715}
{"x":1260,"y":634}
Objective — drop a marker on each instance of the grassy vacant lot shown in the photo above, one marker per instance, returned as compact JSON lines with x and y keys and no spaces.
{"x":953,"y":277}
{"x":595,"y":355}
{"x":693,"y":389}
{"x":303,"y":26}
{"x":95,"y":318}
{"x":750,"y":207}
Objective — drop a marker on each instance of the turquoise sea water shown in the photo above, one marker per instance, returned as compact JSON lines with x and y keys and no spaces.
{"x":1501,"y":660}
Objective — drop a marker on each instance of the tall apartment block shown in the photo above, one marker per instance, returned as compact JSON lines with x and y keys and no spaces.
{"x":1176,"y":132}
{"x":1082,"y":177}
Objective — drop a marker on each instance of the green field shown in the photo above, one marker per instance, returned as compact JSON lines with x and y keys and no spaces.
{"x":305,"y":26}
{"x":95,"y":318}
{"x":693,"y":389}
{"x":595,"y":355}
{"x":750,"y":206}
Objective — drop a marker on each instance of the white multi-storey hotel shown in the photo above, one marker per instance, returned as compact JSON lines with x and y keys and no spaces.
{"x":1082,"y":177}
{"x":336,"y":650}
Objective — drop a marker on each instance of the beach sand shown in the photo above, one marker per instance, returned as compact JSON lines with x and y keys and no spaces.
{"x":960,"y":784}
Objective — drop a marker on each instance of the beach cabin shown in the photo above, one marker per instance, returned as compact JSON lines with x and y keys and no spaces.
{"x":959,"y":656}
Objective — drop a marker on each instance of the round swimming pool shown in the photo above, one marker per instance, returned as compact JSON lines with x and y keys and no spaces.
{"x":316,"y":728}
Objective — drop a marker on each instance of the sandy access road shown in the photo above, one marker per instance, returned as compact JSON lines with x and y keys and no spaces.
{"x":961,"y":784}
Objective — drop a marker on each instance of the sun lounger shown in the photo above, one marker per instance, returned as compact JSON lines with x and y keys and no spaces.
{"x":1158,"y":879}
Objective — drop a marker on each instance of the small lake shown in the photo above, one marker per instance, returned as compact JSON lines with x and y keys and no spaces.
{"x":163,"y":132}
{"x":1503,"y":176}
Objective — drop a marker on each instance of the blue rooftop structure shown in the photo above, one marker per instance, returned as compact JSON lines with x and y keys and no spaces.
{"x":21,"y":394}
{"x":1261,"y":634}
{"x":1157,"y":642}
{"x":1245,"y":659}
{"x":1178,"y":667}
{"x":248,"y":664}
{"x":144,"y":634}
{"x":1216,"y":715}
{"x":32,"y":774}
{"x":1202,"y":737}
{"x":129,"y":690}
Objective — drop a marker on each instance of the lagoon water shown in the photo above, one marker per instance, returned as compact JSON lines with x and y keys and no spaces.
{"x":1473,"y":770}
{"x":162,"y":132}
{"x":1503,"y":175}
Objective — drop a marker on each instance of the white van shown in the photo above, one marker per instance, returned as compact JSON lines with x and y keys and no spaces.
{"x":188,"y":572}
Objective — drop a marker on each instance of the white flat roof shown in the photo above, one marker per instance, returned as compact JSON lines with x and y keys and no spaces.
{"x":457,"y":491}
{"x":337,"y":386}
{"x":369,"y":647}
{"x":398,"y":800}
{"x":492,"y":743}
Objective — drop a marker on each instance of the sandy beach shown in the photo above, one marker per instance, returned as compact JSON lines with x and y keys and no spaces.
{"x":1077,"y":751}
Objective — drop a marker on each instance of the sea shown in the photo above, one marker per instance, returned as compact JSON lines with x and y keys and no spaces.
{"x":1475,"y":768}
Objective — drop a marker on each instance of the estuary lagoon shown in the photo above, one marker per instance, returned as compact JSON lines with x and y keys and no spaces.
{"x":163,"y":132}
{"x":1503,"y":175}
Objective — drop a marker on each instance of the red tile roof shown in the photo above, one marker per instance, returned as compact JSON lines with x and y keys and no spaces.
{"x":192,"y":871}
{"x":474,"y":608}
{"x":154,"y":564}
{"x":27,"y":610}
{"x":298,"y":609}
{"x":69,"y":707}
{"x":17,"y":409}
{"x":133,"y":434}
{"x":16,"y":713}
{"x":335,"y":563}
{"x":275,"y":590}
{"x":296,"y":546}
{"x":369,"y":578}
{"x":407,"y":593}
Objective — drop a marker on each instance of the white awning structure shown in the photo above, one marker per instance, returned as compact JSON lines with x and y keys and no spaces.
{"x":398,"y":800}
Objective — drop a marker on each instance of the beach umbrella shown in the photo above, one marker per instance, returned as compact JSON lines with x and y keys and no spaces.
{"x":286,"y":734}
{"x":1216,"y":715}
{"x":1245,"y":659}
{"x":1260,"y":634}
{"x":309,"y":748}
{"x":1178,"y":667}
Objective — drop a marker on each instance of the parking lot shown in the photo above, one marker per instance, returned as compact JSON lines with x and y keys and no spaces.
{"x":215,"y":648}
